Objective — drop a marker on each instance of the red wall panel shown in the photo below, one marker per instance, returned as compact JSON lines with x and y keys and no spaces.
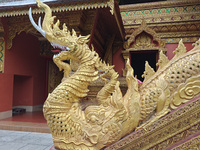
{"x":6,"y":92}
{"x":23,"y":91}
{"x":172,"y":46}
{"x":23,"y":60}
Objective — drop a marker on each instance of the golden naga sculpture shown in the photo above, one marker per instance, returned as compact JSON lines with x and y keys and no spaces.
{"x":114,"y":116}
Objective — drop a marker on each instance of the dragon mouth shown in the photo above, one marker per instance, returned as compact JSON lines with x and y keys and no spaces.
{"x":59,"y":48}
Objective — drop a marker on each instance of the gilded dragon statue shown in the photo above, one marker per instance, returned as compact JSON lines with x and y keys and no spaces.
{"x":96,"y":126}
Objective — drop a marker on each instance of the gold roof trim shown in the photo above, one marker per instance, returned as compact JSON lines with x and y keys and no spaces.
{"x":61,"y":8}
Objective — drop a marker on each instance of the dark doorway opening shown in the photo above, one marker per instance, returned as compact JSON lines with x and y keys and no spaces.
{"x":138,"y":59}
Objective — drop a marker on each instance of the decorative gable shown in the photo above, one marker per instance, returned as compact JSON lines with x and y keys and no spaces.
{"x":144,"y":38}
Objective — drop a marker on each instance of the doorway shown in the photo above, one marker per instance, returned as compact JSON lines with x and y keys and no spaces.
{"x":138,"y":59}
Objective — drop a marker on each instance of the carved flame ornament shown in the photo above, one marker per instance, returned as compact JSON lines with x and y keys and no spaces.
{"x":114,"y":116}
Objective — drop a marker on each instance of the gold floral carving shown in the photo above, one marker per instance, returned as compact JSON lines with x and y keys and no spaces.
{"x":158,"y":19}
{"x":169,"y":36}
{"x":165,"y":30}
{"x":193,"y":144}
{"x":186,"y":91}
{"x":181,"y":135}
{"x":144,"y":40}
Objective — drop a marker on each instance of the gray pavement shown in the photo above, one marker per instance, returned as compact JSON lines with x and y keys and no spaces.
{"x":18,"y":140}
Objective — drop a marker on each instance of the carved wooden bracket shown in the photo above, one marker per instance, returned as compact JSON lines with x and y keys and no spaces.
{"x":15,"y":26}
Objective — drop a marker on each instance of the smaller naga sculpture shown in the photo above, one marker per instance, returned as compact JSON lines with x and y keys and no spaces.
{"x":74,"y":127}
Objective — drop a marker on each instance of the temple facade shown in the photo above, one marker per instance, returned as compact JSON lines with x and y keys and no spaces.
{"x":117,"y":32}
